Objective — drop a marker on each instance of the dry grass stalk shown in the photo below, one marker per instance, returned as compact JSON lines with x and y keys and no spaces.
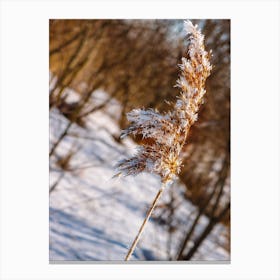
{"x":166,"y":134}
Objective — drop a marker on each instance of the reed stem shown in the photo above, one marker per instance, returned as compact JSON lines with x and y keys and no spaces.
{"x":148,"y":215}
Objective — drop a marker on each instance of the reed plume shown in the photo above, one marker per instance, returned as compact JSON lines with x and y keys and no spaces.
{"x":167,"y":133}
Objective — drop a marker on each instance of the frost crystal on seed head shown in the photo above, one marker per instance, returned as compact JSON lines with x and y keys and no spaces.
{"x":189,"y":27}
{"x":167,"y":133}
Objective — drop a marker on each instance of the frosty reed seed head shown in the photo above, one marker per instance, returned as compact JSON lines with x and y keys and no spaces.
{"x":169,"y":131}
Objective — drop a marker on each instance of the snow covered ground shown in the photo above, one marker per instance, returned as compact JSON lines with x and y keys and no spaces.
{"x":94,"y":217}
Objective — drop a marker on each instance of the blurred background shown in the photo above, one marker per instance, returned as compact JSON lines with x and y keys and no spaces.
{"x":99,"y":70}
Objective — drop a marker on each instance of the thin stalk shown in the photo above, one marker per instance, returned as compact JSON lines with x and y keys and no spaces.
{"x":148,"y":215}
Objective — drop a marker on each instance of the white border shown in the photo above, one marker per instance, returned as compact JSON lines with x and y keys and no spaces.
{"x":255,"y":138}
